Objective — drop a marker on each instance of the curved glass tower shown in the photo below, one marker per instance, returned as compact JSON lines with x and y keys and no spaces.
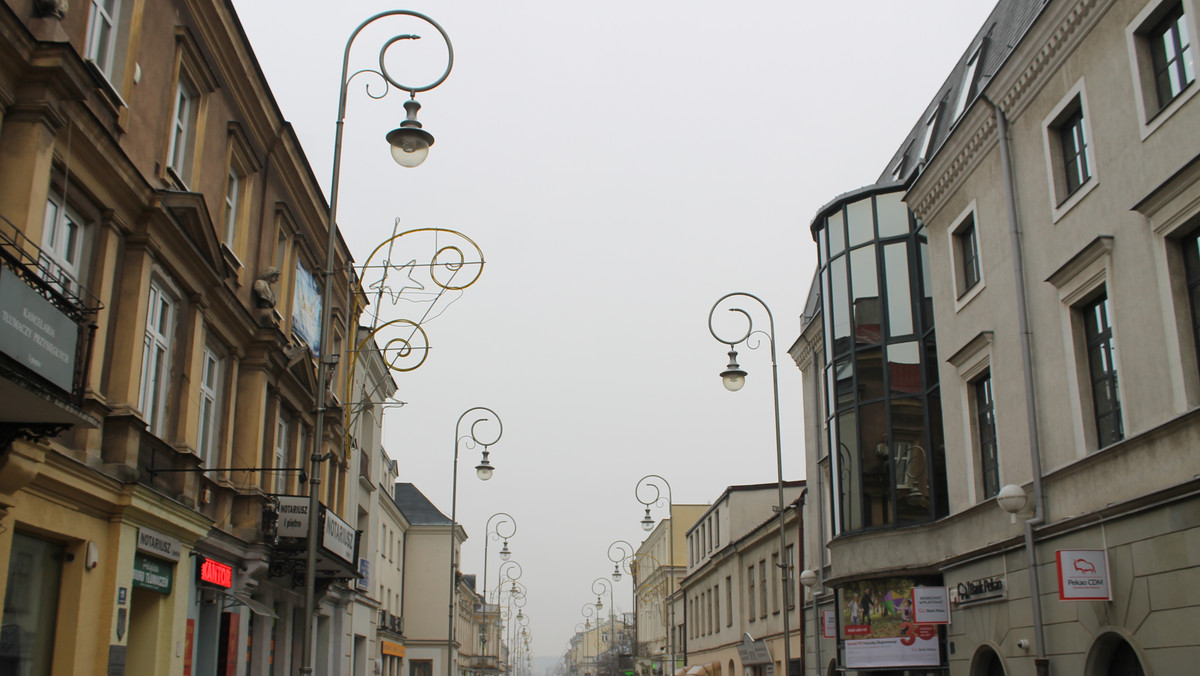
{"x":883,"y":406}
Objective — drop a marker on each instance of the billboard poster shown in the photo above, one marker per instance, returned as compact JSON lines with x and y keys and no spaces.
{"x":306,"y":309}
{"x":879,"y":628}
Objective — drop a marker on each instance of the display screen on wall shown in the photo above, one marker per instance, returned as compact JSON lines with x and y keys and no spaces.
{"x":306,"y":309}
{"x":878,"y":629}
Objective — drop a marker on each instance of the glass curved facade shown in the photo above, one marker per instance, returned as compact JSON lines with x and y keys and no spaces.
{"x":883,"y":407}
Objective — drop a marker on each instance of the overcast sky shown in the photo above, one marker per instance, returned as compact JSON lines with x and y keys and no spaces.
{"x":622,"y":165}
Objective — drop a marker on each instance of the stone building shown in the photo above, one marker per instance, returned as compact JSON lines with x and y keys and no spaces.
{"x":1001,"y":355}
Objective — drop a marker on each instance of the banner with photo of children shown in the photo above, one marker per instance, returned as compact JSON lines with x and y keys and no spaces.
{"x":877,"y":626}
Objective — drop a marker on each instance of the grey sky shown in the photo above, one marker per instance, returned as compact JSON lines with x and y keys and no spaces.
{"x":622,"y":165}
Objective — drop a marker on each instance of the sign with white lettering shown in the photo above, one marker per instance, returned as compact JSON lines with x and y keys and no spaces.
{"x":337,"y":536}
{"x":970,"y":592}
{"x":35,"y":333}
{"x":156,"y":544}
{"x":293,"y":517}
{"x":1083,"y":575}
{"x":151,"y":573}
{"x":364,"y":572}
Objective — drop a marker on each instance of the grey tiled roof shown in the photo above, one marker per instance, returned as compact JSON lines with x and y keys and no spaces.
{"x":1008,"y":23}
{"x":417,"y":508}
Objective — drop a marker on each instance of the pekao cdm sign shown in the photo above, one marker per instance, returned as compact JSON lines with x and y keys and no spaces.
{"x":1083,"y":575}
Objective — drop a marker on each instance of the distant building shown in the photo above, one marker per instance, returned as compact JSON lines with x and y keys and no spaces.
{"x":1008,"y":317}
{"x":658,"y":565}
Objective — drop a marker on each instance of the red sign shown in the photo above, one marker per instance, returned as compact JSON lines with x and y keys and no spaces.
{"x":188,"y":643}
{"x":215,"y":572}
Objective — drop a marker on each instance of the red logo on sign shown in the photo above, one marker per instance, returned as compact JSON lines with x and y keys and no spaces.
{"x":216,"y":573}
{"x":926,"y":631}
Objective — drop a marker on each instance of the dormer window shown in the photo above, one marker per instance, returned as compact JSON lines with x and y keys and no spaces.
{"x":968,"y":82}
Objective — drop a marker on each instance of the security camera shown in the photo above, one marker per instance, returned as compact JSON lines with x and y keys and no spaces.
{"x":1023,"y":644}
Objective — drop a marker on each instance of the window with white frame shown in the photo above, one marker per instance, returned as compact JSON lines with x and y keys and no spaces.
{"x":1171,"y":55}
{"x":156,"y":357}
{"x":1162,"y":59}
{"x":282,"y":425}
{"x":1190,"y":245}
{"x":964,"y":249}
{"x":1070,"y":153}
{"x":930,"y":128}
{"x":968,"y":83}
{"x":233,"y":197}
{"x":102,"y":38}
{"x":63,"y":232}
{"x":183,"y":127}
{"x":208,"y":443}
{"x":762,"y":588}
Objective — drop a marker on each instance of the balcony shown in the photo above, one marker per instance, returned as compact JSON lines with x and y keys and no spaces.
{"x":391,"y":623}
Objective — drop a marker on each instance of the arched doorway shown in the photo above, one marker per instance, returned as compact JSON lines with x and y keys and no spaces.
{"x":1112,"y":655}
{"x":987,"y":663}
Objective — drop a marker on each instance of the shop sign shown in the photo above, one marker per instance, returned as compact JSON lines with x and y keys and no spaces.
{"x":293,"y":517}
{"x":364,"y":572}
{"x":753,"y":652}
{"x":970,"y":592}
{"x":151,"y":573}
{"x":35,"y":333}
{"x":880,"y":628}
{"x":1083,"y":575}
{"x":828,"y":624}
{"x":156,"y":544}
{"x":931,"y":605}
{"x":392,"y":649}
{"x":215,"y":572}
{"x":337,"y":536}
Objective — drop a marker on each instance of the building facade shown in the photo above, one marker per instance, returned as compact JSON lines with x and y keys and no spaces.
{"x":658,"y":564}
{"x":733,"y":590}
{"x":159,"y":369}
{"x":1001,"y":351}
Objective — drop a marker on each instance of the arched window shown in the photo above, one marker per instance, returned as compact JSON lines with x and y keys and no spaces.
{"x":986,"y":663}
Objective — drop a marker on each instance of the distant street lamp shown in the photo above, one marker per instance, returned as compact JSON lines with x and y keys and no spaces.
{"x":414,"y":144}
{"x":499,"y":532}
{"x":657,"y":483}
{"x":484,"y":471}
{"x":605,"y":585}
{"x":734,"y":378}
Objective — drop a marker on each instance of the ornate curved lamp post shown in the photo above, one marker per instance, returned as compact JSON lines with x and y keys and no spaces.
{"x":621,"y":552}
{"x":497,"y":533}
{"x":589,"y":610}
{"x":413,"y":143}
{"x":734,"y":378}
{"x":652,"y":484}
{"x":604,"y":585}
{"x":484,"y":471}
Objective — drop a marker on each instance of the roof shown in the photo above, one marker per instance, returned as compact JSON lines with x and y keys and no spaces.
{"x":1008,"y":23}
{"x":417,"y":508}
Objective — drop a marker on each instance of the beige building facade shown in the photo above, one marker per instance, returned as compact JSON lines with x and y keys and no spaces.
{"x":1034,"y":459}
{"x":658,"y":565}
{"x":733,"y":590}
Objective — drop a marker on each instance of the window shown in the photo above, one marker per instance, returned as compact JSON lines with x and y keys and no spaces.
{"x":716,"y":608}
{"x":1171,"y":54}
{"x":1191,"y":264}
{"x":31,"y":604}
{"x":985,"y":426}
{"x":156,"y":358}
{"x":281,"y":451}
{"x":728,"y":600}
{"x":183,"y":127}
{"x":233,"y":197}
{"x":208,"y":435}
{"x":966,"y":254}
{"x":1074,"y":150}
{"x":968,"y":84}
{"x":790,"y":590}
{"x":102,"y":35}
{"x":1070,"y":155}
{"x":930,"y":127}
{"x":62,"y":242}
{"x":775,"y":582}
{"x":751,"y":597}
{"x":762,"y":588}
{"x":1101,"y":355}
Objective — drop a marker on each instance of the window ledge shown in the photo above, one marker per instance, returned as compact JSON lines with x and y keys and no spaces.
{"x":968,"y":296}
{"x":1075,"y":198}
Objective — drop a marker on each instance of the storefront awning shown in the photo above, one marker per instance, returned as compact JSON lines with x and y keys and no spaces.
{"x":243,"y":599}
{"x":710,"y":669}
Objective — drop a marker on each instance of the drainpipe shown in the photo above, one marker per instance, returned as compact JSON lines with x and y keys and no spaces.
{"x":1041,"y":661}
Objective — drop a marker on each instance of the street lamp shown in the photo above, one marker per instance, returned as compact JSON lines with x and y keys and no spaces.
{"x":620,"y":552}
{"x":484,"y":472}
{"x":657,"y":483}
{"x":734,"y":377}
{"x":605,"y":585}
{"x":810,"y":579}
{"x":496,"y":534}
{"x":327,"y":359}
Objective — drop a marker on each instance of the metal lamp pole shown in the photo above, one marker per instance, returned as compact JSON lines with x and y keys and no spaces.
{"x":410,"y":144}
{"x":484,"y":471}
{"x":653,"y":481}
{"x":734,"y":378}
{"x":623,"y":552}
{"x":605,"y":585}
{"x":495,"y":534}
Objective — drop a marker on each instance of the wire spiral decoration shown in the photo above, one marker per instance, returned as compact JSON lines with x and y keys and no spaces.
{"x":655,"y":483}
{"x":751,"y":337}
{"x":383,"y":73}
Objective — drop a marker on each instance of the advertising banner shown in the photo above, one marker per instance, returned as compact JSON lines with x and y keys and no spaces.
{"x":828,"y":624}
{"x":879,"y":625}
{"x":306,"y":309}
{"x":1083,"y":575}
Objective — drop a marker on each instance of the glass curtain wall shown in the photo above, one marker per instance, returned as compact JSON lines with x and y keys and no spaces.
{"x":882,"y":401}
